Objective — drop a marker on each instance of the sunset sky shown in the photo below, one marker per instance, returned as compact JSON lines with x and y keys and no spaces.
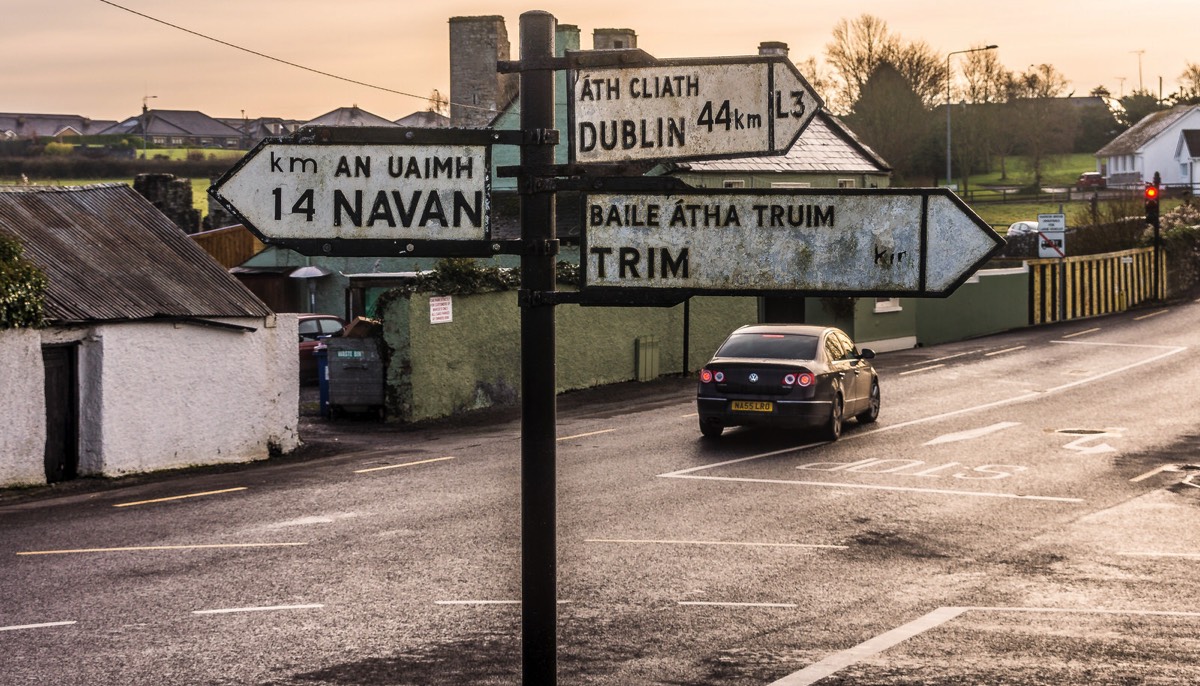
{"x":90,"y":58}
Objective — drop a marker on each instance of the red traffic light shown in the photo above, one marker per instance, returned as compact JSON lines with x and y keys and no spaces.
{"x":1151,"y":192}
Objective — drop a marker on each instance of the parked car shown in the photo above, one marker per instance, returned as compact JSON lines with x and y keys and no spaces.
{"x":1022,"y":228}
{"x":313,"y":329}
{"x":1090,"y":180}
{"x":787,"y":375}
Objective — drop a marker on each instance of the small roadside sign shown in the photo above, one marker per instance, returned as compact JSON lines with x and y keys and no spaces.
{"x":678,"y":109}
{"x":882,"y":242}
{"x":1052,"y":222}
{"x":322,"y":190}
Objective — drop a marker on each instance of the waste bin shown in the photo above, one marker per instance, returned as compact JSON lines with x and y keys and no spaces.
{"x":354,"y":375}
{"x":322,"y":354}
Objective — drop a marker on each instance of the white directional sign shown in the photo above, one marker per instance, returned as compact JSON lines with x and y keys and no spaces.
{"x":306,"y":191}
{"x":844,"y":241}
{"x":688,"y":109}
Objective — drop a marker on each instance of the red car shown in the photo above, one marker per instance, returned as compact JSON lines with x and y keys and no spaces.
{"x":1090,"y":180}
{"x":313,"y":328}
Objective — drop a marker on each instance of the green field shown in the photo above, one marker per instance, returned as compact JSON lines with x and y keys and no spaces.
{"x":1061,"y":170}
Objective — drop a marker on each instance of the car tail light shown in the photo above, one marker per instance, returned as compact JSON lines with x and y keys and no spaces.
{"x":789,"y":380}
{"x":805,"y":379}
{"x":706,"y":376}
{"x":719,"y":377}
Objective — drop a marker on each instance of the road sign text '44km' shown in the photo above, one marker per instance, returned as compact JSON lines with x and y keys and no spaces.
{"x":880,"y":242}
{"x":677,"y":109}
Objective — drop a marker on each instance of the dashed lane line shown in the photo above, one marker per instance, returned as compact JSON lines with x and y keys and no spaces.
{"x":266,"y":608}
{"x":398,"y":466}
{"x":159,"y":547}
{"x":43,"y":625}
{"x":181,"y":497}
{"x":746,"y":544}
{"x":590,"y":433}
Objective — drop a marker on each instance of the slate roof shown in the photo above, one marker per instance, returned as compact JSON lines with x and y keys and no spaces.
{"x":426,"y":120}
{"x":350,"y":116}
{"x":48,"y":125}
{"x":175,"y":122}
{"x":827,"y":145}
{"x":1144,"y":131}
{"x":109,"y":255}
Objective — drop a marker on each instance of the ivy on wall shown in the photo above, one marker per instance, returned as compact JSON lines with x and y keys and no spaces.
{"x":22,"y":288}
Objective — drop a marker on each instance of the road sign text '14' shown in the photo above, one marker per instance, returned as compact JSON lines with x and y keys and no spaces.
{"x":285,"y":190}
{"x":688,"y":109}
{"x":836,"y":241}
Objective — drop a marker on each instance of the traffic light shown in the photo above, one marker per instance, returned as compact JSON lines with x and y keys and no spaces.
{"x":1151,"y":196}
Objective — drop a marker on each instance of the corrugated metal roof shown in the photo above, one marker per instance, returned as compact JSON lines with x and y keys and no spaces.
{"x":109,"y":255}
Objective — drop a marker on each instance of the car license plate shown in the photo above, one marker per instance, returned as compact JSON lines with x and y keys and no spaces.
{"x":751,"y":406}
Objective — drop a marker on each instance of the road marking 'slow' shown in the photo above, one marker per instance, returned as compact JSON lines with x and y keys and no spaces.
{"x":268,"y":608}
{"x":35,"y":626}
{"x":636,"y":541}
{"x":1081,"y":333}
{"x":181,"y":497}
{"x":590,"y":433}
{"x":159,"y":547}
{"x":398,"y":466}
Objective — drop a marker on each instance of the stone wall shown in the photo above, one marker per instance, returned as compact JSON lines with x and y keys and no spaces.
{"x":477,"y":91}
{"x":172,"y":196}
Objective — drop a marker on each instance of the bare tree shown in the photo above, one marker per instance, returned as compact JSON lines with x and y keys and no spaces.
{"x":1047,"y":123}
{"x":924,"y":69}
{"x":857,"y":49}
{"x":819,"y":78}
{"x":986,"y":78}
{"x":1189,"y":82}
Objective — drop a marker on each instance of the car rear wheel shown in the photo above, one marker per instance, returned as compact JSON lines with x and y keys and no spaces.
{"x":711,"y":428}
{"x":872,"y":412}
{"x":833,"y":425}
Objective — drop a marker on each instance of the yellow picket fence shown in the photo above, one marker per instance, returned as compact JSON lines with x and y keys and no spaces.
{"x":1091,"y":285}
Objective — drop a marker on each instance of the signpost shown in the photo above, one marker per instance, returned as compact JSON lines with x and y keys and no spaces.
{"x":367,"y":191}
{"x":348,"y":191}
{"x":1052,"y":235}
{"x":885,"y":242}
{"x":681,"y":109}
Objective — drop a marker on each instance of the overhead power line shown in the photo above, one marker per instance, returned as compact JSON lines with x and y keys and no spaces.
{"x":272,"y":58}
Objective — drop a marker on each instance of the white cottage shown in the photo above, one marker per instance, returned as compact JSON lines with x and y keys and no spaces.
{"x":154,"y":357}
{"x":1167,"y":142}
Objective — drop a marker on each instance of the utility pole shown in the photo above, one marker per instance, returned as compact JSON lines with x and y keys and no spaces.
{"x":1139,"y":53}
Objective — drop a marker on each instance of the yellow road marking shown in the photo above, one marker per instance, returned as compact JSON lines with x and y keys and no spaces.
{"x":180,"y":497}
{"x":160,"y":547}
{"x":398,"y":466}
{"x":590,"y":433}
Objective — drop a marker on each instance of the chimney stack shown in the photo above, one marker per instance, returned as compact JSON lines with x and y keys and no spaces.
{"x":477,"y":91}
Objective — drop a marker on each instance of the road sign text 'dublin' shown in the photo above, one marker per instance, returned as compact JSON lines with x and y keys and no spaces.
{"x":688,"y":109}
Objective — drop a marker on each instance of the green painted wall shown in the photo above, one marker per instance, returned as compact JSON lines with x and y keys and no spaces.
{"x":438,"y":370}
{"x":995,"y":300}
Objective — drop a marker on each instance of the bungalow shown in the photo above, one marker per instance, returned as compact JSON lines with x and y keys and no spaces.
{"x":154,"y":357}
{"x":1164,"y":142}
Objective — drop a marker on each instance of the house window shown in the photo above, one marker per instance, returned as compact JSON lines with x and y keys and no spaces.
{"x":887,"y":305}
{"x":846,"y":183}
{"x":733,"y":183}
{"x":158,"y":140}
{"x":176,"y":141}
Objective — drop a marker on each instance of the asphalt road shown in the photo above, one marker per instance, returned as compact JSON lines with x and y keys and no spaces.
{"x":1022,"y":513}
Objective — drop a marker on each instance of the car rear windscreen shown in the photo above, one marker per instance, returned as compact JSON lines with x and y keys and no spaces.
{"x":772,"y":346}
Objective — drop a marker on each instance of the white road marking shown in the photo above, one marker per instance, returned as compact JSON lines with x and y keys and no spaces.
{"x":489,"y":602}
{"x":1152,"y":314}
{"x":398,"y":466}
{"x":922,"y":369}
{"x":1006,"y":350}
{"x":1189,"y":556}
{"x":1152,"y":472}
{"x":181,"y":497}
{"x":876,"y":487}
{"x":269,"y":608}
{"x":972,"y":433}
{"x":869,"y":648}
{"x":590,"y":433}
{"x":35,"y":626}
{"x":786,"y":606}
{"x":1082,"y":333}
{"x":885,"y":641}
{"x":948,"y":357}
{"x":159,"y":547}
{"x":634,"y":541}
{"x":689,"y":416}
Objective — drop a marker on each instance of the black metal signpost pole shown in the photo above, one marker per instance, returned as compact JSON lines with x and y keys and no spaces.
{"x":538,"y":411}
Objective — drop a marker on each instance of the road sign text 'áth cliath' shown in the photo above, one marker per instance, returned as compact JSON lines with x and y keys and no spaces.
{"x":688,"y":109}
{"x":304,"y":191}
{"x":851,"y":242}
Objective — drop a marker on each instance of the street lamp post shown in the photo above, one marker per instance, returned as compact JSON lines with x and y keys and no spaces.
{"x":956,"y":52}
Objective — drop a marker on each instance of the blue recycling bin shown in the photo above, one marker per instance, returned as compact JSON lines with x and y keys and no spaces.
{"x":322,"y":353}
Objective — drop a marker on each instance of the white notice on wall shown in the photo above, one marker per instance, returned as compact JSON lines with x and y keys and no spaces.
{"x":441,"y":309}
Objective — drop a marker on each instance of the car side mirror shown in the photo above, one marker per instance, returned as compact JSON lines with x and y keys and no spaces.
{"x":866,"y":354}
